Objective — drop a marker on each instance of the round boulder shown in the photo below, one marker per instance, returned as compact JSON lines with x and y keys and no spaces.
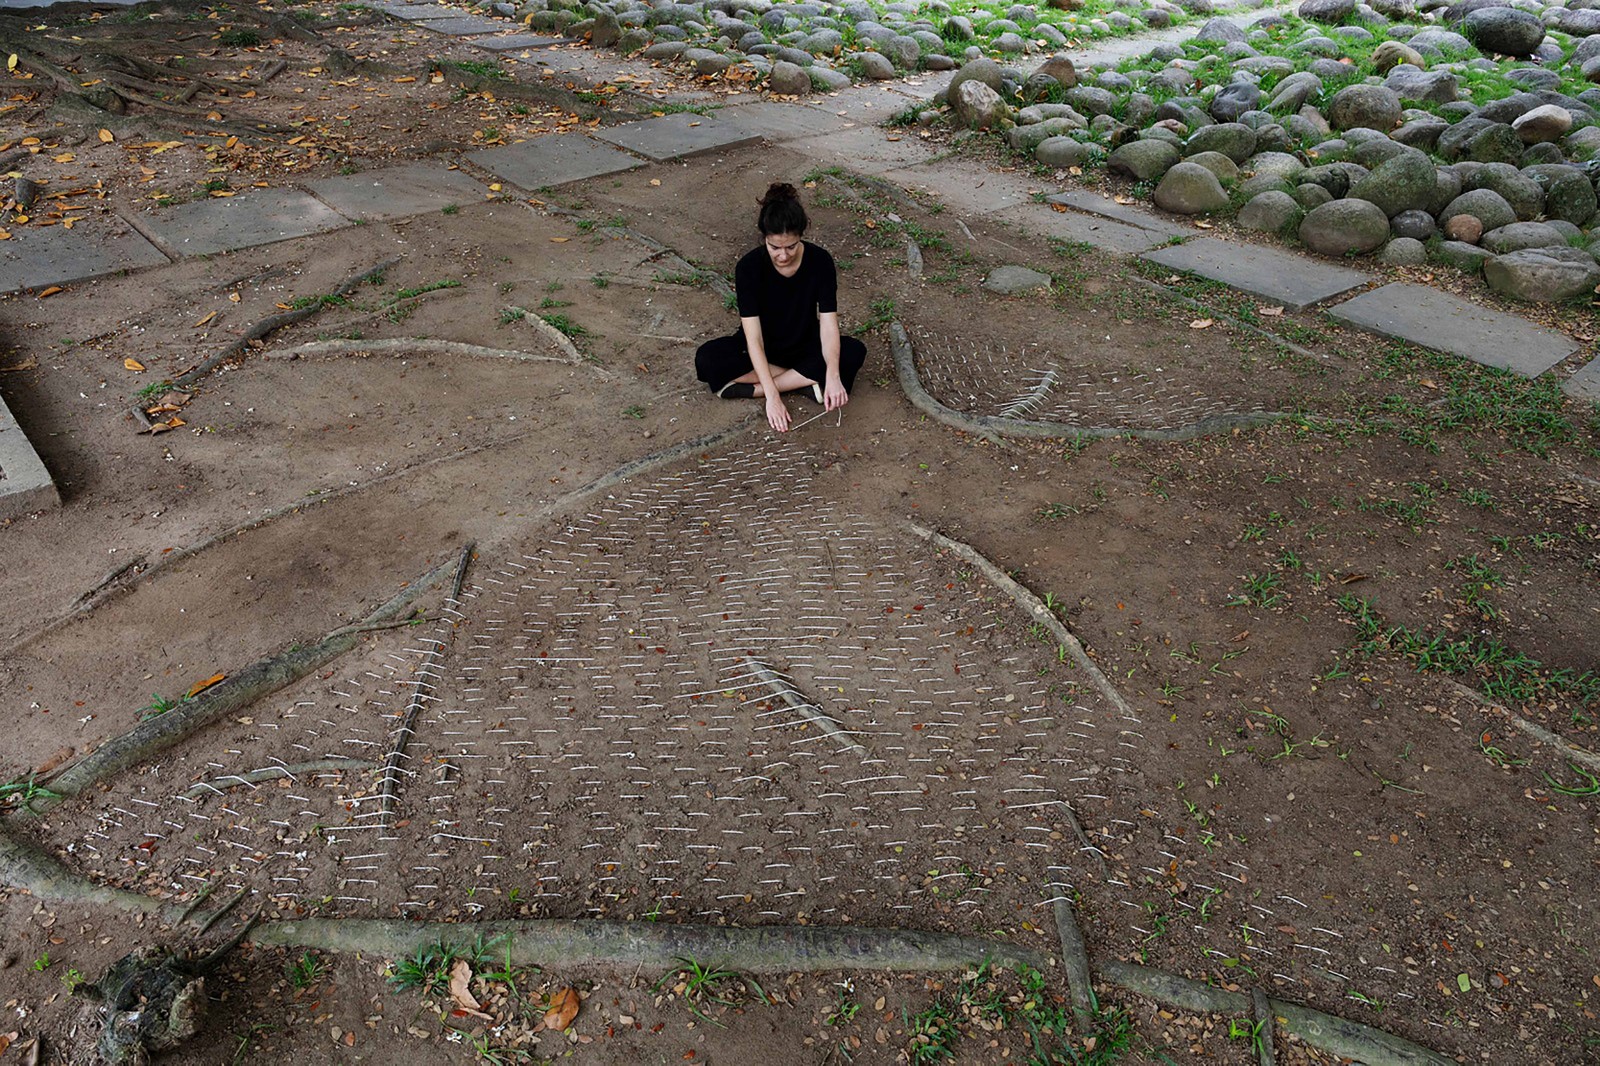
{"x":1233,"y":139}
{"x":1270,"y":212}
{"x":1015,"y":280}
{"x":1061,"y":69}
{"x":975,"y":106}
{"x":1143,"y":160}
{"x":1485,"y":205}
{"x":1548,"y":122}
{"x":1418,"y":225}
{"x":1373,"y":107}
{"x":1506,"y":30}
{"x":1345,"y":227}
{"x":1404,"y":183}
{"x":1066,"y":152}
{"x":788,"y":79}
{"x":1543,"y":275}
{"x":1233,"y":100}
{"x":876,"y":66}
{"x":1520,"y":235}
{"x":1404,"y":251}
{"x":1463,"y":229}
{"x":1328,"y":12}
{"x":1191,"y":189}
{"x":1224,"y":168}
{"x":1389,"y":53}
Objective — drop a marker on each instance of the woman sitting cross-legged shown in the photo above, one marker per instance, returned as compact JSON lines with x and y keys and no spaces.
{"x":788,"y":335}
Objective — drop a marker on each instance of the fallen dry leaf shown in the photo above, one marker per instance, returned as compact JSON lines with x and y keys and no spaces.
{"x":233,"y":297}
{"x":200,"y":686}
{"x":559,"y":240}
{"x":27,"y":364}
{"x":655,"y":181}
{"x":1203,"y":225}
{"x":1201,"y":323}
{"x":1271,"y":312}
{"x":206,"y":319}
{"x":564,"y":1005}
{"x":7,"y":1038}
{"x":461,"y":990}
{"x":106,"y":136}
{"x":61,"y":756}
{"x":133,"y":365}
{"x":51,"y":291}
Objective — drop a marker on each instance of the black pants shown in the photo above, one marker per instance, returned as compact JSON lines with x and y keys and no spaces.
{"x":722,"y":359}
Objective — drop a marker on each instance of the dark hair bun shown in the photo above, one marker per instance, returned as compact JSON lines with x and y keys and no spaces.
{"x":778,"y":192}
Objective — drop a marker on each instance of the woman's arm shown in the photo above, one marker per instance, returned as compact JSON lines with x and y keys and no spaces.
{"x":777,"y":413}
{"x":833,"y":392}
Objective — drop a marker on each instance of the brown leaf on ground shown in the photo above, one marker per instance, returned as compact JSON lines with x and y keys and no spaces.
{"x":564,"y":1005}
{"x":27,"y":364}
{"x":61,"y":756}
{"x":133,"y":364}
{"x":461,"y":990}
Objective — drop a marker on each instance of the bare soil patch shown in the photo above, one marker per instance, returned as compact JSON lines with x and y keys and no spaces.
{"x":1297,"y":805}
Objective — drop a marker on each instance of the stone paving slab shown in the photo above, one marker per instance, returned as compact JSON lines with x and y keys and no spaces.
{"x":25,"y":484}
{"x":54,"y":255}
{"x":1585,"y":384}
{"x":1447,"y":323}
{"x":464,"y":26}
{"x":260,"y":216}
{"x":1294,"y":281}
{"x":1129,"y":214}
{"x":554,"y":160}
{"x":413,"y":189}
{"x":422,"y":12}
{"x":675,"y":136}
{"x":1105,"y":233}
{"x":777,"y":122}
{"x":865,"y":149}
{"x":515,"y":42}
{"x":558,"y":61}
{"x":958,"y":185}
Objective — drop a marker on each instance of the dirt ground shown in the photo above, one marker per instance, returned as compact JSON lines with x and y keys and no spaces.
{"x":1306,"y":798}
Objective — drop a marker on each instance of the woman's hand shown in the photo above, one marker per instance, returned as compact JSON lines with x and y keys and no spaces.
{"x":777,"y":413}
{"x":833,"y":394}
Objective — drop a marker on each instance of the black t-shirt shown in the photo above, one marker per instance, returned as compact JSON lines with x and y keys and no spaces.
{"x":788,"y":307}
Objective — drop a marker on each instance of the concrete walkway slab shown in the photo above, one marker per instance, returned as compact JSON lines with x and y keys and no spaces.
{"x":776,"y":122}
{"x":1585,"y":384}
{"x":260,"y":216}
{"x":1105,"y":233}
{"x":25,"y":484}
{"x":516,"y":42}
{"x":54,"y":255}
{"x":866,"y":149}
{"x":1128,"y":214}
{"x":421,"y":12}
{"x":1294,"y":281}
{"x":554,"y":160}
{"x":414,"y":189}
{"x":675,"y":136}
{"x":464,"y":26}
{"x":1447,"y":323}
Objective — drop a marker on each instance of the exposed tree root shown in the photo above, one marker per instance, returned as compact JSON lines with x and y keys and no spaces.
{"x":435,"y":656}
{"x":219,"y":785}
{"x":410,"y":346}
{"x":1034,"y":606}
{"x":661,"y":945}
{"x":262,"y":678}
{"x":1533,"y":729}
{"x":271,"y":324}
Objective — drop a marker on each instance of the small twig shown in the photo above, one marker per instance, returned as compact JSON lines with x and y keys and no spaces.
{"x":1083,"y":838}
{"x":784,"y":690}
{"x":199,"y":898}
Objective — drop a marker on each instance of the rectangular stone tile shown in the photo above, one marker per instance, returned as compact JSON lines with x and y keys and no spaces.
{"x":1129,"y":214}
{"x":516,"y":42}
{"x":25,"y":484}
{"x":1585,"y":384}
{"x":420,"y":12}
{"x":552,"y":61}
{"x":1433,"y":319}
{"x":674,"y":136}
{"x":960,"y":186}
{"x":776,"y":122}
{"x":464,"y":25}
{"x":867,"y":149}
{"x":1105,"y":233}
{"x":554,"y":159}
{"x":395,"y":192}
{"x":260,"y":216}
{"x":1295,"y":281}
{"x":54,"y":255}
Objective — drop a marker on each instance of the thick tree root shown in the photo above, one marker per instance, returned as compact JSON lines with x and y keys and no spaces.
{"x":26,"y":868}
{"x":993,"y":426}
{"x":411,"y":346}
{"x":270,"y":324}
{"x":661,"y":945}
{"x":1032,"y":604}
{"x":262,"y":678}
